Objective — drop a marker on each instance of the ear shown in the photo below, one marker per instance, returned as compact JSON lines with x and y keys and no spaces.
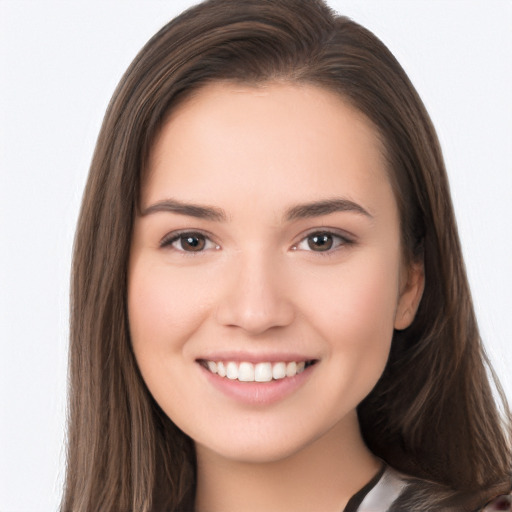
{"x":412,"y":283}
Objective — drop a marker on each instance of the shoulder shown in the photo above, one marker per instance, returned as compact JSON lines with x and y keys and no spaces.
{"x":397,"y":492}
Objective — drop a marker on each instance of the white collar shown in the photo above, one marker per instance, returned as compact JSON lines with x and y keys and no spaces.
{"x":387,"y":490}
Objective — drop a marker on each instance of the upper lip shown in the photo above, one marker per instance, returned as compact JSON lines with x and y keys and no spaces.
{"x":253,"y":357}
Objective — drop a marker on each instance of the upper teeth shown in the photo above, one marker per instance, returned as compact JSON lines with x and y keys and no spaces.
{"x":259,"y":372}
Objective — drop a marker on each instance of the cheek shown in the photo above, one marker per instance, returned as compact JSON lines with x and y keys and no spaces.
{"x":360,"y":295}
{"x":355,"y":311}
{"x":368,"y":302}
{"x":164,"y":309}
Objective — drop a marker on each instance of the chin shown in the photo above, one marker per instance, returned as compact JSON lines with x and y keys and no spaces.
{"x":253,"y":453}
{"x":265,"y":445}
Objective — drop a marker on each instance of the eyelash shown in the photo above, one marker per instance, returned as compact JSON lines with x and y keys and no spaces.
{"x":173,"y":238}
{"x":342,"y":240}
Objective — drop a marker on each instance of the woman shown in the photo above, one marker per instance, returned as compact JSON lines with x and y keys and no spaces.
{"x":270,"y":309}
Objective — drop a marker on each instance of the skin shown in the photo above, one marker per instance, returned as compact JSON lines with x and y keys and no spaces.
{"x":260,"y":286}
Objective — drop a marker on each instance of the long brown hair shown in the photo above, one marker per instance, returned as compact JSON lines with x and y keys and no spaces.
{"x":432,"y":414}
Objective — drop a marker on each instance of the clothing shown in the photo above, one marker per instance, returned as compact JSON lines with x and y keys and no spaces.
{"x":380,"y":493}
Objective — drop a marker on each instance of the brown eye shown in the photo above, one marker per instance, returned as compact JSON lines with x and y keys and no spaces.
{"x":323,"y":242}
{"x":191,"y":242}
{"x":188,"y":242}
{"x":320,"y":242}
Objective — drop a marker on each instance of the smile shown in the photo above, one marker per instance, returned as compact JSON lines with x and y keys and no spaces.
{"x":259,"y":372}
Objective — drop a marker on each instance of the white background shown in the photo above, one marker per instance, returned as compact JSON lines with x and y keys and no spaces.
{"x":59,"y":64}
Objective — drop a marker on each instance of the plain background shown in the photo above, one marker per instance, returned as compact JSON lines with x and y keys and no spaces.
{"x":60,"y":62}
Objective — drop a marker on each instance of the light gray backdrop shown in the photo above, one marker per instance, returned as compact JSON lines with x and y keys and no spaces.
{"x":59,"y":64}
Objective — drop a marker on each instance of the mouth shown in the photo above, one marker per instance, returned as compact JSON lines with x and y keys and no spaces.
{"x":264,"y":371}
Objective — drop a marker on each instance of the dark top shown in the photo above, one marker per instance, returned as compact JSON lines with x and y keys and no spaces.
{"x":386,"y":486}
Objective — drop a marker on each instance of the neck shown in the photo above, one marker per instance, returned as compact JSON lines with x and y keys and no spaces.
{"x":321,"y":476}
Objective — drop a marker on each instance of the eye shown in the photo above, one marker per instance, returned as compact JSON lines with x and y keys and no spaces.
{"x":188,"y":242}
{"x":322,"y":241}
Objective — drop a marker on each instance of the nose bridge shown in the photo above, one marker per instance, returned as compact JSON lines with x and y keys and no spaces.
{"x":256,"y":297}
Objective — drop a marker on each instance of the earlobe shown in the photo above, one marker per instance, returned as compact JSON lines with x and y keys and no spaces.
{"x":410,"y":296}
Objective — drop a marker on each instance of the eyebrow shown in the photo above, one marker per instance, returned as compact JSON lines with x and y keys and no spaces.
{"x":192,"y":210}
{"x":300,"y":211}
{"x":318,"y":208}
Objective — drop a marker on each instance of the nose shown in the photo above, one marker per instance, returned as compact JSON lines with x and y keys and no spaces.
{"x":256,"y":296}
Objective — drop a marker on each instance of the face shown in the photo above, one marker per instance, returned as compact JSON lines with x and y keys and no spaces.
{"x":266,"y":275}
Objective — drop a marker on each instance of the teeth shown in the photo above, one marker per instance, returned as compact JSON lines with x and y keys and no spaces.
{"x":245,"y":372}
{"x":263,"y":372}
{"x":260,"y":372}
{"x":279,"y":371}
{"x":221,"y":370}
{"x":291,"y":369}
{"x":232,"y":371}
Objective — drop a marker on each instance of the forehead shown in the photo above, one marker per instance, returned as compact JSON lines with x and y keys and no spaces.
{"x":276,"y":140}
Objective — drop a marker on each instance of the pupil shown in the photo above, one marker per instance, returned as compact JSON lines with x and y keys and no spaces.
{"x":193,"y":243}
{"x":320,"y":242}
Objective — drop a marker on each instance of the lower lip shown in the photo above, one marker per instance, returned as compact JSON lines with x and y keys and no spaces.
{"x":258,"y":393}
